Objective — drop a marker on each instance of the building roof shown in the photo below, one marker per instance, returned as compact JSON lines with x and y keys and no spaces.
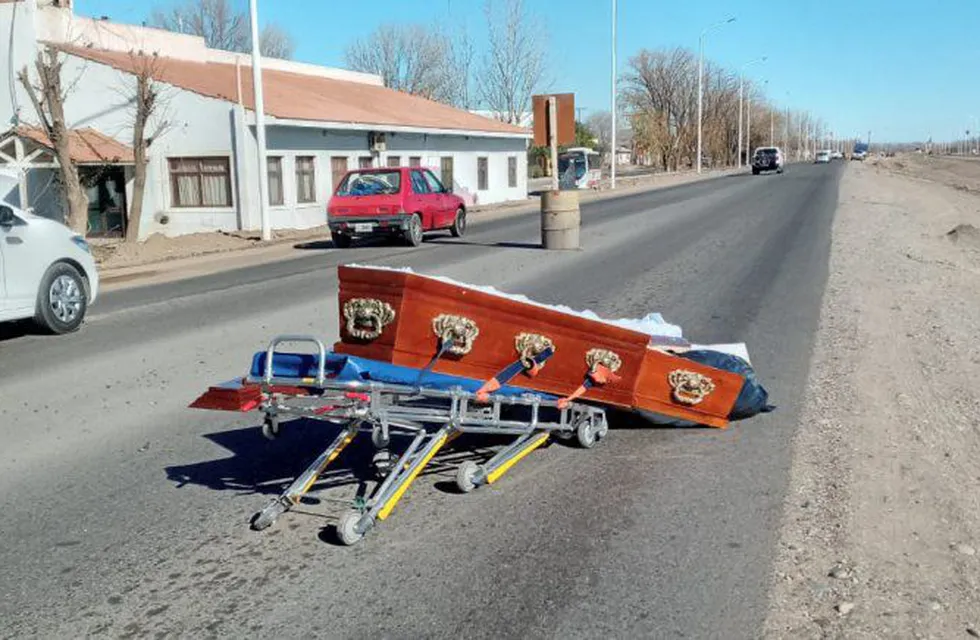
{"x":293,"y":96}
{"x":86,"y":146}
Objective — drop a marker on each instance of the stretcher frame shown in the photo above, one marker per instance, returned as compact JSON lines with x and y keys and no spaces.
{"x":429,"y":417}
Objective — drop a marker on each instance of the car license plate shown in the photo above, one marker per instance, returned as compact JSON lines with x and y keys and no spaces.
{"x":363,"y":227}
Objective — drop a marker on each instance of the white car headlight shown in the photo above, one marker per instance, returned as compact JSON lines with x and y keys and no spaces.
{"x":81,"y":244}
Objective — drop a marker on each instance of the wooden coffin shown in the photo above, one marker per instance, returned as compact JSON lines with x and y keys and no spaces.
{"x":394,"y":316}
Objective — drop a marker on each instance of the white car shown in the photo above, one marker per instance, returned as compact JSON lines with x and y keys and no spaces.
{"x":47,"y":271}
{"x":823,"y":157}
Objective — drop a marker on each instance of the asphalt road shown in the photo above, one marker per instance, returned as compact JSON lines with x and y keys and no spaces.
{"x":125,"y":514}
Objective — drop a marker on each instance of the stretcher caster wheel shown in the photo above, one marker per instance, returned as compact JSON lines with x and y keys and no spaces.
{"x":268,"y":516}
{"x":466,"y":476}
{"x":382,"y":463}
{"x":270,"y":427}
{"x":346,"y":528}
{"x":586,"y":434}
{"x":379,"y":439}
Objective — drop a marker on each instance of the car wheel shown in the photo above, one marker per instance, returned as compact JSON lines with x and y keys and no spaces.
{"x":459,"y":224}
{"x":413,"y":235}
{"x":755,"y":172}
{"x":62,"y":299}
{"x":341,"y":240}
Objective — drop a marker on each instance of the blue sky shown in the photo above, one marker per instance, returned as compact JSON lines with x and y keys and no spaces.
{"x":895,"y":67}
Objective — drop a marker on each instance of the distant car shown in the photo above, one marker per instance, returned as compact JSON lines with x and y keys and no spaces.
{"x":767,"y":159}
{"x":836,"y":155}
{"x":823,"y":157}
{"x":47,"y":272}
{"x":860,"y":151}
{"x":398,"y":202}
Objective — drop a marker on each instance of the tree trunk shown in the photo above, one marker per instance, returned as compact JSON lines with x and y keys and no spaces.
{"x":136,"y":206}
{"x":50,"y":109}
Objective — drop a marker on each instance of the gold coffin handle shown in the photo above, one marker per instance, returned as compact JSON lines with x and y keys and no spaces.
{"x":456,"y":333}
{"x":366,"y":318}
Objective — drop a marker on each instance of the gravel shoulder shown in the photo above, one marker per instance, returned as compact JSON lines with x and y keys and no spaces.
{"x":882,"y":519}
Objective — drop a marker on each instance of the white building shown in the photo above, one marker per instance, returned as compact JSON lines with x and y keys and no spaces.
{"x":203,"y":169}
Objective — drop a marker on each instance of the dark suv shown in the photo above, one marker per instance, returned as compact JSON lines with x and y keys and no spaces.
{"x":767,"y":159}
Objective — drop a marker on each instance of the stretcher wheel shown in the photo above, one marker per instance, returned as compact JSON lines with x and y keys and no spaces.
{"x":268,"y":516}
{"x":466,"y":476}
{"x":346,"y":528}
{"x":379,"y":439}
{"x":270,"y":427}
{"x":587,"y":434}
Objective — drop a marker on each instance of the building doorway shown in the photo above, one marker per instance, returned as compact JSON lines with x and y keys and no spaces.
{"x":107,"y":210}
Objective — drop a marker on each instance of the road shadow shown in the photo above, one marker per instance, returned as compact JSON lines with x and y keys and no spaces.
{"x":17,"y":329}
{"x":260,"y":466}
{"x":503,"y":245}
{"x":267,"y":467}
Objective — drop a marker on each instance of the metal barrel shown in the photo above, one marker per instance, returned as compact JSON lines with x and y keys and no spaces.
{"x":560,"y":220}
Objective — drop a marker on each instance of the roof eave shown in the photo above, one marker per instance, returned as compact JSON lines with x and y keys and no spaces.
{"x":367,"y":126}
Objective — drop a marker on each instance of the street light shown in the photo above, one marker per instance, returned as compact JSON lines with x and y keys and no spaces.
{"x":701,"y":79}
{"x":748,"y":123}
{"x":741,"y":81}
{"x":612,"y":163}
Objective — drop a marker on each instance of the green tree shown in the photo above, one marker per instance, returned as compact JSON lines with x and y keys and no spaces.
{"x":584,"y":136}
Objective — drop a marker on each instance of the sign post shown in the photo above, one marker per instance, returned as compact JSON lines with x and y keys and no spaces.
{"x":553,"y":140}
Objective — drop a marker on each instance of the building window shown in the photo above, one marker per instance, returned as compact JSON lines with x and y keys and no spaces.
{"x":305,"y":179}
{"x":415,"y":161}
{"x":365,"y":162}
{"x":512,"y":172}
{"x":446,"y":172}
{"x":482,"y":179}
{"x":274,"y":164}
{"x":338,"y":168}
{"x":200,"y":182}
{"x":394,"y":161}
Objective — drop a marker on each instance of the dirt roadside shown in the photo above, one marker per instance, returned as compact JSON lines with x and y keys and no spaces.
{"x":882,"y":519}
{"x":162,"y":259}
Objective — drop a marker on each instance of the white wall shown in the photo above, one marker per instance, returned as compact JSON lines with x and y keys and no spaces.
{"x":15,"y":54}
{"x":198,"y":126}
{"x":323,"y":144}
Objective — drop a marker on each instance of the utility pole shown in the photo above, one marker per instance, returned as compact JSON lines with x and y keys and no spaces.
{"x":260,"y":122}
{"x":741,"y":82}
{"x":701,"y":81}
{"x":612,"y":164}
{"x":748,"y":128}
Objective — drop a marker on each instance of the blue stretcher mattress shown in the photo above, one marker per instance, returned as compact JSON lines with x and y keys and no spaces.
{"x":352,"y":369}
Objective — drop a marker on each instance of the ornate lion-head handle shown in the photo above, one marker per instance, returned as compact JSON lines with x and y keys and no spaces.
{"x":456,"y":333}
{"x":604,"y":357}
{"x":689,"y":387}
{"x":367,"y":317}
{"x":529,"y":346}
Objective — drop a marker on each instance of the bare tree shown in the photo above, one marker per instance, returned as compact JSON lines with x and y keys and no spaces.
{"x":459,"y":71}
{"x":222,"y":27}
{"x":48,"y":97}
{"x":600,"y":124}
{"x":411,"y":58}
{"x":274,"y":42}
{"x":148,"y":107}
{"x":515,"y":63}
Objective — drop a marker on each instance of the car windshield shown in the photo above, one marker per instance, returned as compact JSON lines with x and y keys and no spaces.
{"x":766,"y":152}
{"x":370,"y":183}
{"x":574,"y":160}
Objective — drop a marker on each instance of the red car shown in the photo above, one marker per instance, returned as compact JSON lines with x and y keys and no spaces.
{"x":394,"y":201}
